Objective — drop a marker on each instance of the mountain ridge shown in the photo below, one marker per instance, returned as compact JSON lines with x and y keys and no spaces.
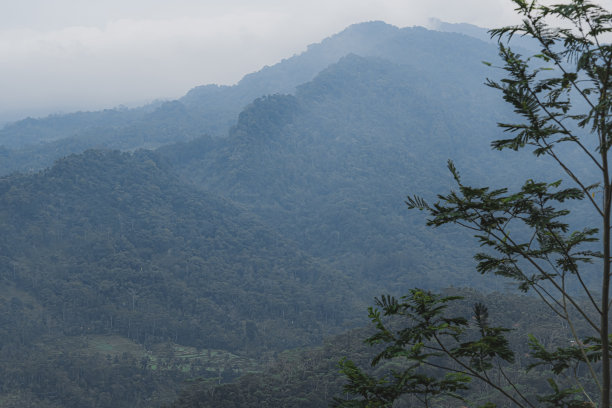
{"x":32,"y":144}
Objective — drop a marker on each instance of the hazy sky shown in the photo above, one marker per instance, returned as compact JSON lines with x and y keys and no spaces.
{"x":63,"y":55}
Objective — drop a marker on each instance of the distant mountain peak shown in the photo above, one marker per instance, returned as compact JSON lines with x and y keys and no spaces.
{"x":370,"y":29}
{"x":480,"y":33}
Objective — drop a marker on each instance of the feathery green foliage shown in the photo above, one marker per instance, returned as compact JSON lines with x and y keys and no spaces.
{"x":562,"y":99}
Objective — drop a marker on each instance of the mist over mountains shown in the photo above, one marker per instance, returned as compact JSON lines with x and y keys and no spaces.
{"x":213,"y":109}
{"x":207,"y":234}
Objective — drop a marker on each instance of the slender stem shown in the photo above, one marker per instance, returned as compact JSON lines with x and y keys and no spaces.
{"x":577,"y":273}
{"x":570,"y":173}
{"x":537,"y":290}
{"x":549,"y":278}
{"x":566,"y":131}
{"x":477,"y":374}
{"x":580,"y":346}
{"x":558,"y":63}
{"x":582,"y":389}
{"x":520,"y":394}
{"x":605,"y":287}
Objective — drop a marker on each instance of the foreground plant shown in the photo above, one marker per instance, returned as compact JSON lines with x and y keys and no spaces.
{"x":563,"y":96}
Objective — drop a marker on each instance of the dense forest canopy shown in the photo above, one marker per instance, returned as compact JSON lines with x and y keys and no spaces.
{"x":218,"y":239}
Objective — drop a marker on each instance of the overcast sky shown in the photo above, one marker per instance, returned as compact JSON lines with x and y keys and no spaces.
{"x":64,"y":55}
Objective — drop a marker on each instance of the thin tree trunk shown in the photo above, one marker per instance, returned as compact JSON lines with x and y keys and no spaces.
{"x":605,"y":287}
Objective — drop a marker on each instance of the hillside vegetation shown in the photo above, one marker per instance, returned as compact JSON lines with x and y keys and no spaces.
{"x":219,"y":237}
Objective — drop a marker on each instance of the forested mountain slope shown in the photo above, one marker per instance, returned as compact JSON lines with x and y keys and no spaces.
{"x":270,"y":214}
{"x":331,"y":165}
{"x":33,"y":144}
{"x":109,"y":243}
{"x":107,"y":227}
{"x":309,"y":378}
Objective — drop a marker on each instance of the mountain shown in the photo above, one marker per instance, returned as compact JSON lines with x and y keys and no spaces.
{"x":481,"y":34}
{"x":171,"y":250}
{"x":329,"y":167}
{"x":269,"y":214}
{"x":461,"y":28}
{"x":111,"y":244}
{"x":368,"y":115}
{"x":33,"y":144}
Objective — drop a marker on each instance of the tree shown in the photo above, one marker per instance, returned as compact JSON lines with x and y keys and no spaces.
{"x":563,"y":99}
